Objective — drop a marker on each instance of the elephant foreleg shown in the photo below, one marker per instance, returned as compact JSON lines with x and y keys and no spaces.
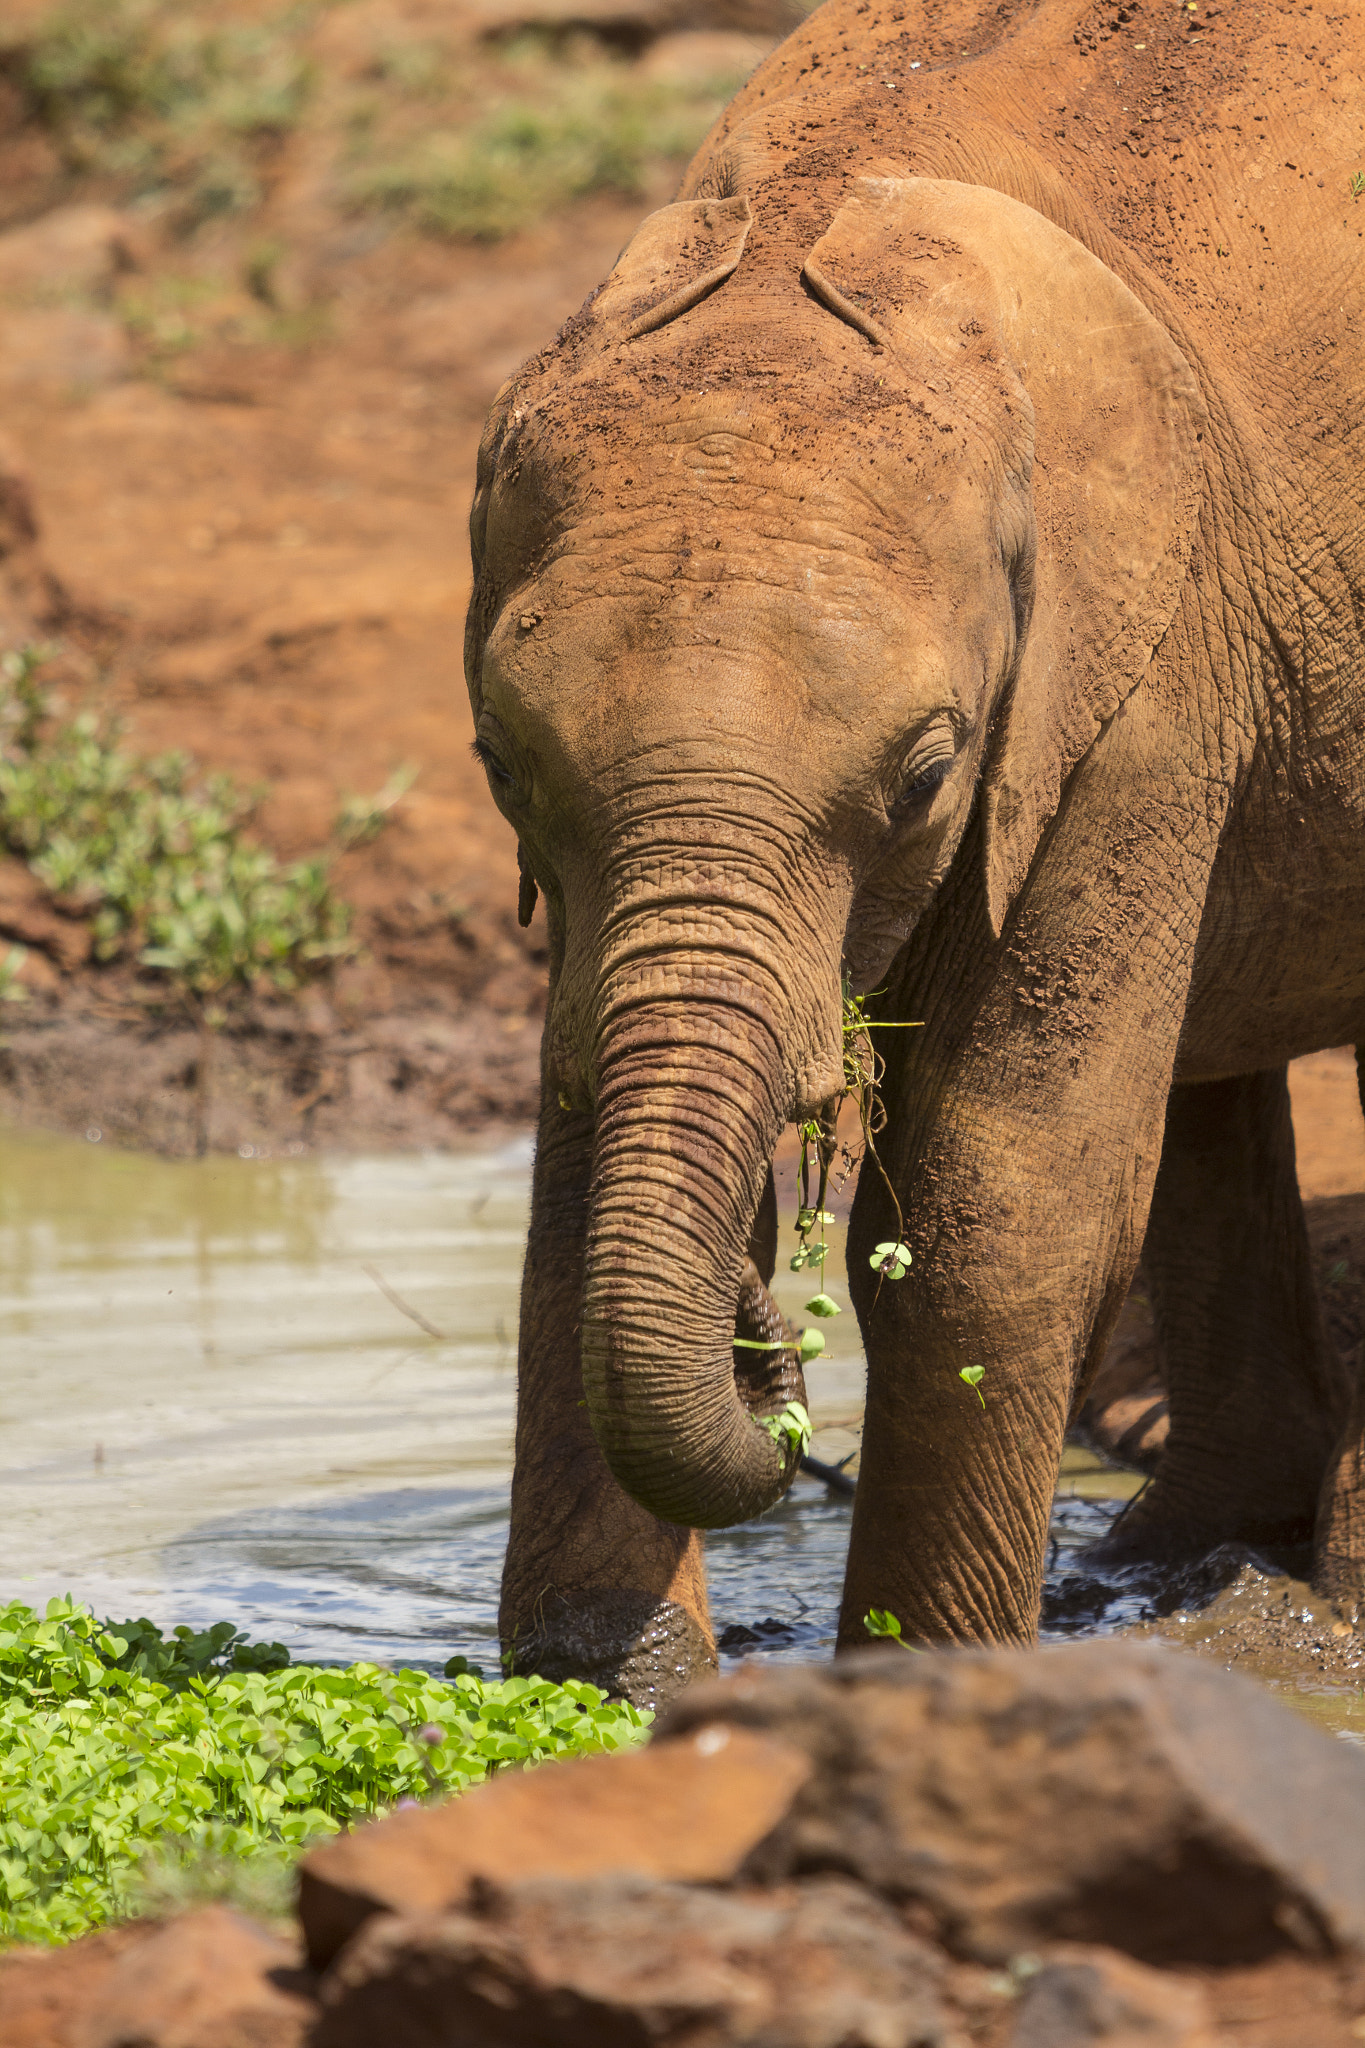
{"x":1023,"y":1137}
{"x":594,"y":1586}
{"x":1339,"y":1539}
{"x":1256,"y":1392}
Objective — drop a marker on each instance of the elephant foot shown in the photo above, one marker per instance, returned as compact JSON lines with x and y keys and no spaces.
{"x":1339,"y":1549}
{"x":1164,"y":1526}
{"x":1340,"y":1578}
{"x":631,"y":1645}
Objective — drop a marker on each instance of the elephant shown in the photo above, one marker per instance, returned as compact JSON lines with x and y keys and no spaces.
{"x":931,"y":569}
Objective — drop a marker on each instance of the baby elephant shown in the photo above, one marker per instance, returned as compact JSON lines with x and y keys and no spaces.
{"x":932,"y":565}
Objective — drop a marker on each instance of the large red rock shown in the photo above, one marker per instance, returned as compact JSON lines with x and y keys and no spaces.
{"x":208,"y":1979}
{"x":1109,"y":1792}
{"x":693,"y":1812}
{"x":622,"y":1962}
{"x":1093,"y":1998}
{"x":45,"y":1993}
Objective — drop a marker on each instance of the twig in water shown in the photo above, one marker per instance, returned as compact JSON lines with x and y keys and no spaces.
{"x":404,"y":1307}
{"x":832,"y":1476}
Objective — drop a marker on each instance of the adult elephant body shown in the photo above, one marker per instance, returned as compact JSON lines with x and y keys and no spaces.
{"x":936,"y":556}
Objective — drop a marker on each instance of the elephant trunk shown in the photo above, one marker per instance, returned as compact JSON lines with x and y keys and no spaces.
{"x":693,"y":1093}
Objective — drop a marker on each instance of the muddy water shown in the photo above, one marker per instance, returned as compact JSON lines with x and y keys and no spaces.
{"x":280,"y":1391}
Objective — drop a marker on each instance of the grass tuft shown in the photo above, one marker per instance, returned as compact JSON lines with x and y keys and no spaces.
{"x":168,"y":97}
{"x":565,"y":130}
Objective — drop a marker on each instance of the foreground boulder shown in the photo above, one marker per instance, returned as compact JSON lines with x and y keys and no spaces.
{"x":1099,"y":1791}
{"x":210,"y":1979}
{"x":619,"y":1962}
{"x":207,"y":1979}
{"x":1105,"y":1845}
{"x":1081,"y":1996}
{"x":693,"y":1814}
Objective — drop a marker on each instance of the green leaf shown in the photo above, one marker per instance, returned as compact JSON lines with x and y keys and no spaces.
{"x":812,"y":1344}
{"x":890,"y":1259}
{"x":792,"y":1426}
{"x":973,"y":1375}
{"x":878,"y":1621}
{"x":823,"y":1305}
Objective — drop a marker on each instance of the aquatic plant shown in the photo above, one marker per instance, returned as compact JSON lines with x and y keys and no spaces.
{"x":120,"y":1744}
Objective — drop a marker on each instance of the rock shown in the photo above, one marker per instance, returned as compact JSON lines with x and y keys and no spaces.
{"x":633,"y":25}
{"x":61,"y":348}
{"x":692,"y":1812}
{"x":1110,"y":1792}
{"x":1093,"y":1998}
{"x":698,"y":56}
{"x":72,"y":248}
{"x":209,"y":1979}
{"x":26,"y":914}
{"x":46,"y":1992}
{"x":619,"y":1962}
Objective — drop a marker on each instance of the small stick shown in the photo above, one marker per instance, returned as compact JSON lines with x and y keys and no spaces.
{"x":404,"y":1307}
{"x":833,"y":1476}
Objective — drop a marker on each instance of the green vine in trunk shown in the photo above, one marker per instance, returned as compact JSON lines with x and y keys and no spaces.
{"x":863,"y":1068}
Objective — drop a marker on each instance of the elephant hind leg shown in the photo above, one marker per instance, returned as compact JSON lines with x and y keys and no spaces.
{"x":1257,"y":1394}
{"x":1339,"y":1542}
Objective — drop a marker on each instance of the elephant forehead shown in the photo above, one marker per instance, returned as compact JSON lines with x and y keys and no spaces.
{"x":723,"y":495}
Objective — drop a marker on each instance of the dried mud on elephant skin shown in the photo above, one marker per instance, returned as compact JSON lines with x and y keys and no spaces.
{"x":932,"y":279}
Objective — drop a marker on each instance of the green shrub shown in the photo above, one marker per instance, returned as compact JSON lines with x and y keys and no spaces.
{"x":165,"y":94}
{"x":591,"y":126}
{"x":154,"y":852}
{"x":465,"y":136}
{"x":129,"y":1760}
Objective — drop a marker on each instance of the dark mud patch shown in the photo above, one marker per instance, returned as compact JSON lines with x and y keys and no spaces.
{"x":283,"y":1079}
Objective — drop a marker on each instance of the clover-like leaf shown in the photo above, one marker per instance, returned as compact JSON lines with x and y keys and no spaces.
{"x":890,"y":1259}
{"x":792,"y":1426}
{"x":823,"y":1305}
{"x":973,"y":1375}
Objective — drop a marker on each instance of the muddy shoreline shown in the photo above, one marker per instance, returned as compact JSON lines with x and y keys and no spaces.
{"x":283,"y":1078}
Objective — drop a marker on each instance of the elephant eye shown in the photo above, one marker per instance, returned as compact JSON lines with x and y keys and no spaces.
{"x":497,"y":768}
{"x":922,"y":787}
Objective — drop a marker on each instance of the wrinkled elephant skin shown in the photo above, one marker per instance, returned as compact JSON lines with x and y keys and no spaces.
{"x":936,"y":556}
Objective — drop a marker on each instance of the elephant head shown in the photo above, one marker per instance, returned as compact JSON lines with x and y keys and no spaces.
{"x":792,"y":550}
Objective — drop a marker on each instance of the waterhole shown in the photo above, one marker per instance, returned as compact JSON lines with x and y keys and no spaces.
{"x":280,"y":1392}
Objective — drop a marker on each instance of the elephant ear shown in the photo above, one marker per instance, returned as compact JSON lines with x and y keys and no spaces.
{"x":1116,"y":476}
{"x":672,"y":261}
